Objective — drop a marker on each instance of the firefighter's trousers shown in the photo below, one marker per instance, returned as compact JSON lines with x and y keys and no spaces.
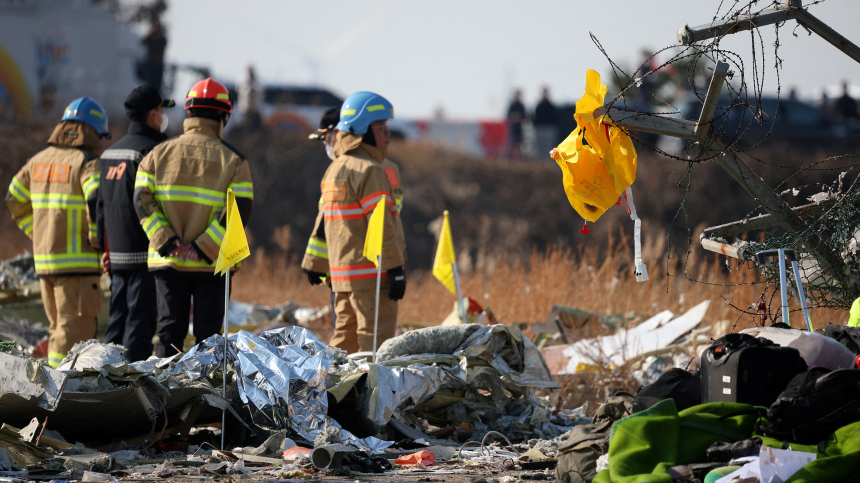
{"x":133,"y":313}
{"x":72,"y":305}
{"x":353,"y":331}
{"x":175,"y":292}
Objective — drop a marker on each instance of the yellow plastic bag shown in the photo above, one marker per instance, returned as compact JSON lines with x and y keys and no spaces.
{"x":597,"y":160}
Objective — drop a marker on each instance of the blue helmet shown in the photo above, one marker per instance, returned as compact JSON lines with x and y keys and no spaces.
{"x":89,"y":112}
{"x":361,"y":109}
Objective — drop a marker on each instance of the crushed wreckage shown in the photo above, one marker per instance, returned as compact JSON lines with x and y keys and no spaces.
{"x":465,"y":400}
{"x":284,"y":387}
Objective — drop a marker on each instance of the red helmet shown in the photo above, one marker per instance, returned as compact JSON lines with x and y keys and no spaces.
{"x":209,"y":94}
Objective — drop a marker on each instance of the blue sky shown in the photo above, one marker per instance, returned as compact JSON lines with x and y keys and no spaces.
{"x":467,"y":56}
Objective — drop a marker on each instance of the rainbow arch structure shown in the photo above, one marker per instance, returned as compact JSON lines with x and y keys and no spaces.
{"x":13,"y":83}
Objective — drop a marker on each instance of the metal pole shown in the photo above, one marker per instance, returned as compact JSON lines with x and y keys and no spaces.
{"x":376,"y":310}
{"x":781,"y":212}
{"x":825,"y":32}
{"x":706,"y":117}
{"x":801,"y":295}
{"x":783,"y":292}
{"x":459,"y":292}
{"x":722,"y":248}
{"x":690,"y":35}
{"x":224,"y":385}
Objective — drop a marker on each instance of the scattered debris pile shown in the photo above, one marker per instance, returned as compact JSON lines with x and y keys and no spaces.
{"x":649,"y":349}
{"x":17,"y":274}
{"x":264,"y":317}
{"x":476,"y":376}
{"x":154,"y":419}
{"x":449,"y":400}
{"x":22,"y":332}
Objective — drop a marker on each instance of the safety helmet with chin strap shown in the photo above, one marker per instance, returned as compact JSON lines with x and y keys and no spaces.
{"x":209,"y":94}
{"x":361,"y":109}
{"x":89,"y":112}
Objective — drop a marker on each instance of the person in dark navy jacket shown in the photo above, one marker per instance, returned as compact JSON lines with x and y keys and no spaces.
{"x":133,"y":312}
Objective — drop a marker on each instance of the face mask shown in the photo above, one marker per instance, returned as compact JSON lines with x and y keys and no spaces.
{"x":164,"y":122}
{"x":329,"y":151}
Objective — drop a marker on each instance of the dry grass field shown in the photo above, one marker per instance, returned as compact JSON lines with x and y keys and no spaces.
{"x":595,"y":277}
{"x":518,"y":242}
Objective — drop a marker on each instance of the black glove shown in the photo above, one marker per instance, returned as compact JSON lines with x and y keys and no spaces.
{"x":397,"y":279}
{"x":315,"y":278}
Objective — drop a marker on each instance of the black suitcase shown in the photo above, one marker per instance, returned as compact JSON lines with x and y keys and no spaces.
{"x":685,"y":388}
{"x":746,"y":369}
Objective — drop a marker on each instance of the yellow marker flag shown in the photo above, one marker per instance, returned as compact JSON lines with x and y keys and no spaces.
{"x":234,"y":247}
{"x":373,"y":241}
{"x":443,"y":268}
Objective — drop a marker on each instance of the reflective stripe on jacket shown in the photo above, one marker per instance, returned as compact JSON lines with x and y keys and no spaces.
{"x":180,"y":191}
{"x":352,"y":187}
{"x":53,"y":200}
{"x":316,"y":253}
{"x":118,"y":225}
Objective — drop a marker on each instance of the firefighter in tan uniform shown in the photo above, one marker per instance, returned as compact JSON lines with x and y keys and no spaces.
{"x":53,"y":199}
{"x":352,"y":187}
{"x":179,"y":195}
{"x":316,"y":253}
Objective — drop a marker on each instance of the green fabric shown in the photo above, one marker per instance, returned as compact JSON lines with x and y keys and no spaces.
{"x":854,"y":314}
{"x":840,"y":460}
{"x":775,"y":443}
{"x":632,"y":457}
{"x":701,"y":427}
{"x":718,"y":473}
{"x":642,"y":446}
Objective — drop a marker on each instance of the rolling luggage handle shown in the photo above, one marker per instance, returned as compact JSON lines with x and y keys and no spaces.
{"x":781,"y":254}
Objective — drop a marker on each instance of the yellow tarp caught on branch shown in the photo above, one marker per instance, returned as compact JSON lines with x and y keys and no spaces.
{"x":597,"y":160}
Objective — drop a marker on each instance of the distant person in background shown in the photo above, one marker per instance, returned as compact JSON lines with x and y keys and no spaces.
{"x":250,"y":99}
{"x":546,"y":125}
{"x":845,"y":105}
{"x":516,"y":116}
{"x":824,"y":102}
{"x":155,"y":43}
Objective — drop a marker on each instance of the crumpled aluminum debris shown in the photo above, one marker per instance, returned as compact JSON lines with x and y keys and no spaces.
{"x":280,"y":374}
{"x":284,"y":365}
{"x":529,"y":369}
{"x":92,"y":354}
{"x":397,"y":387}
{"x":17,"y":272}
{"x":206,"y":357}
{"x":496,"y":358}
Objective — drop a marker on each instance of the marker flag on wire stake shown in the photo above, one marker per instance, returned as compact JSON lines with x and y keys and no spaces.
{"x":443,"y":264}
{"x":234,"y":247}
{"x":373,"y":241}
